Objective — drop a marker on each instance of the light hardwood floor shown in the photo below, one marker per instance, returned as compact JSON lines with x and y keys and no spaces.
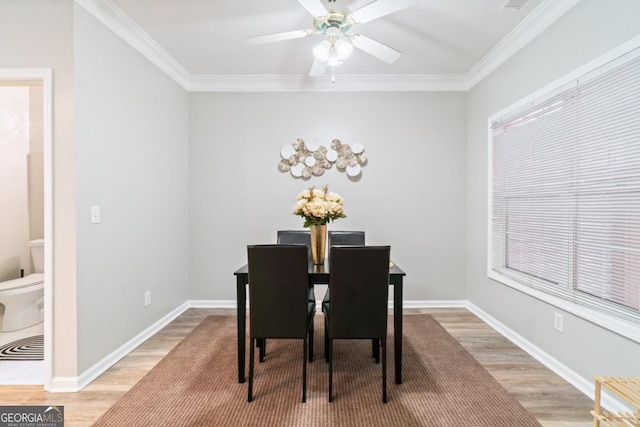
{"x":553,"y":401}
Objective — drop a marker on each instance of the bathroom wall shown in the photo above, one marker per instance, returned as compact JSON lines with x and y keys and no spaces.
{"x":36,"y":163}
{"x":14,"y":208}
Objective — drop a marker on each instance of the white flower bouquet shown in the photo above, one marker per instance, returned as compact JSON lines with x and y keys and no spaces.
{"x":319,"y":207}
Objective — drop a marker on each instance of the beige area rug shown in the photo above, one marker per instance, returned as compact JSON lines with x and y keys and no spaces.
{"x":196,"y":385}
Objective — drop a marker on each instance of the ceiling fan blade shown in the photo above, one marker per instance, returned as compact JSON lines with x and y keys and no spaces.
{"x":270,"y":38}
{"x":318,"y":68}
{"x":314,"y":7}
{"x":380,"y":8}
{"x":377,"y":49}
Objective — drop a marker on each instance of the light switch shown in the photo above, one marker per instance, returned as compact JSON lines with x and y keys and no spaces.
{"x":95,"y":214}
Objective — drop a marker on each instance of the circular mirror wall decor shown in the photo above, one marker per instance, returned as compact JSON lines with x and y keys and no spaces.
{"x":304,"y":160}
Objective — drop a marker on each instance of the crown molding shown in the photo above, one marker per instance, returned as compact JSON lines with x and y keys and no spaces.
{"x":343,"y":83}
{"x":534,"y":24}
{"x":120,"y":23}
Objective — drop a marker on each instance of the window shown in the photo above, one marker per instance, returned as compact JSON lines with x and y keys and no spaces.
{"x":565,"y":191}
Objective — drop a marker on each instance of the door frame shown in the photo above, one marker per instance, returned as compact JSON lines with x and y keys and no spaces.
{"x":44,"y":76}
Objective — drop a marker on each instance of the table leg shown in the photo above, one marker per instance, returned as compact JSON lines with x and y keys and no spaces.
{"x":241,"y":311}
{"x":397,"y":327}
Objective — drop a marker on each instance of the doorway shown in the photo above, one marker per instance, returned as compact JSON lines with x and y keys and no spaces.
{"x":39,"y":84}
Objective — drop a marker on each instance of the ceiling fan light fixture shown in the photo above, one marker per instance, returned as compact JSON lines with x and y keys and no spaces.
{"x":343,"y":49}
{"x":322,"y":51}
{"x":334,"y":60}
{"x":333,"y":51}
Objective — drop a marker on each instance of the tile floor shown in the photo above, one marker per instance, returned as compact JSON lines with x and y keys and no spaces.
{"x":21,"y":373}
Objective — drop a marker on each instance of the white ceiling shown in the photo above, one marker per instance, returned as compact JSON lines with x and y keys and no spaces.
{"x":201,"y":43}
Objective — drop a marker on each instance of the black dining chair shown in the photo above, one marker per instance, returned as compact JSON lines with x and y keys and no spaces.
{"x":359,"y":283}
{"x":292,"y":237}
{"x":297,"y":237}
{"x":339,"y":237}
{"x":345,"y":237}
{"x":279,"y":307}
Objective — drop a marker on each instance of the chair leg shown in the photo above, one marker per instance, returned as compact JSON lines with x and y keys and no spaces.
{"x":384,"y":370}
{"x":304,"y":371}
{"x":330,"y":370}
{"x":251,"y":357}
{"x":311,"y":341}
{"x":262,"y":346}
{"x":326,"y":340}
{"x":375,"y":350}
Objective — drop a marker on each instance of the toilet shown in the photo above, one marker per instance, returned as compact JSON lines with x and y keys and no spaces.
{"x":23,"y":298}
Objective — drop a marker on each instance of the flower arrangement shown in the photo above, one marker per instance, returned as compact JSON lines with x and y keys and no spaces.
{"x":319,"y":207}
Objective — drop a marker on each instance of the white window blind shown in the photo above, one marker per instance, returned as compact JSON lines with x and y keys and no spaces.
{"x":565,"y":191}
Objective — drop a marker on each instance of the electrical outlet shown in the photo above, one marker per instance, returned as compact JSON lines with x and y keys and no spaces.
{"x":147,"y":298}
{"x":558,"y":322}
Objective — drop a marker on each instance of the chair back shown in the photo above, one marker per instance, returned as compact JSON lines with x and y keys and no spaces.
{"x":359,"y":285}
{"x":345,"y":238}
{"x":295,"y":237}
{"x":278,"y":291}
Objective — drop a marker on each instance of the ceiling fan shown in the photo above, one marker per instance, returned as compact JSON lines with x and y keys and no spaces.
{"x":336,"y":26}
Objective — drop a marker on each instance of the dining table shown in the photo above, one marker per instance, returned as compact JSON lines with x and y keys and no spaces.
{"x":319,"y":275}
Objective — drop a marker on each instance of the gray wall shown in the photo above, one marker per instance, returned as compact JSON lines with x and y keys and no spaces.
{"x":132,"y":159}
{"x":411,"y":194}
{"x":590,"y":29}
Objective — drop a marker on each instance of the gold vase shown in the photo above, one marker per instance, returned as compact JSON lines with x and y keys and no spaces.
{"x":318,"y":243}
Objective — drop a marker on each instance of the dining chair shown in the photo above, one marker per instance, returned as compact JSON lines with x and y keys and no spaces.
{"x":292,"y":237}
{"x":297,"y":237}
{"x":345,"y":237}
{"x":340,"y":237}
{"x":300,"y":237}
{"x":279,"y":307}
{"x":359,"y":283}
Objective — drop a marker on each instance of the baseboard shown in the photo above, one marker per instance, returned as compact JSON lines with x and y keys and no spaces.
{"x":64,"y":385}
{"x":582,"y":384}
{"x":201,"y":303}
{"x":72,"y":384}
{"x":435,"y":304}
